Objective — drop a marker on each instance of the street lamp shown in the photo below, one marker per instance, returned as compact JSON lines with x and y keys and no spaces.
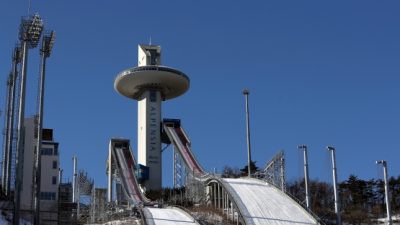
{"x":387,"y":191}
{"x":335,"y":186}
{"x":45,"y":51}
{"x":29,"y":35}
{"x":246,"y":95}
{"x":306,"y":179}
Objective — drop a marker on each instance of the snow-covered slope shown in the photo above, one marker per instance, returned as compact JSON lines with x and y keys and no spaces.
{"x":168,"y":216}
{"x":264,"y":204}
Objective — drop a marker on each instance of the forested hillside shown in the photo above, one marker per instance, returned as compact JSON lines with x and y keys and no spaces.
{"x":362,"y":201}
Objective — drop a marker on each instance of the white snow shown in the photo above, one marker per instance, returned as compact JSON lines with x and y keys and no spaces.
{"x":167,"y":216}
{"x":265,"y":204}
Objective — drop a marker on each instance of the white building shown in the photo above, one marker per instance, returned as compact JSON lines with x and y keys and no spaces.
{"x":49,"y":173}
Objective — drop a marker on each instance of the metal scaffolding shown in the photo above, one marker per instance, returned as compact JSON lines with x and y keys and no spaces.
{"x":274,"y":171}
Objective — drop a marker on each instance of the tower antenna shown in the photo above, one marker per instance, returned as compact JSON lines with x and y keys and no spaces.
{"x":150,"y":41}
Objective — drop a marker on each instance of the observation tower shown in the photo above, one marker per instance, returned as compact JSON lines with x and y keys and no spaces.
{"x":150,"y":83}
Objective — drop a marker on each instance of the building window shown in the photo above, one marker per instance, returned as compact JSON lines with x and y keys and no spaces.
{"x":55,"y":150}
{"x":47,"y":151}
{"x":47,"y":196}
{"x":55,"y":164}
{"x":54,"y":180}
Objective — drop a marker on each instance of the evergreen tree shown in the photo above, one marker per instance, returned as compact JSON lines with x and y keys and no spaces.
{"x":253,"y":168}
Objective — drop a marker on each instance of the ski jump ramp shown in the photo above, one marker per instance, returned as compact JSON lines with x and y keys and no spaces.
{"x":125,"y":164}
{"x":248,"y":201}
{"x":262,"y":203}
{"x":255,"y":200}
{"x":167,"y":216}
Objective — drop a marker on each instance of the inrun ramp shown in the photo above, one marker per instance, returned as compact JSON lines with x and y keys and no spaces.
{"x":126,"y":165}
{"x":178,"y":137}
{"x":262,"y":203}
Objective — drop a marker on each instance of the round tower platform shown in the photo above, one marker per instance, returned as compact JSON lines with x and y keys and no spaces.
{"x":134,"y":81}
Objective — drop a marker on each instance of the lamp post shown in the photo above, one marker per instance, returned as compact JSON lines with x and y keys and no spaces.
{"x":246,"y":95}
{"x":387,"y":191}
{"x":335,"y":186}
{"x":29,"y":35}
{"x":306,"y":179}
{"x":47,"y":45}
{"x":74,"y":179}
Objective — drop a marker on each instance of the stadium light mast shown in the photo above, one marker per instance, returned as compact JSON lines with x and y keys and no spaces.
{"x":7,"y":162}
{"x":387,"y":191}
{"x":29,"y":35}
{"x":306,"y":178}
{"x":246,"y":96}
{"x":9,"y":122}
{"x":7,"y":130}
{"x":335,"y":186}
{"x":45,"y":51}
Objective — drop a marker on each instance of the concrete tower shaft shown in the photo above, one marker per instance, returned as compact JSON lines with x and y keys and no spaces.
{"x":150,"y":84}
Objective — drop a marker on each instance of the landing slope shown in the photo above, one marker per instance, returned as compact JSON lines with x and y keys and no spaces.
{"x":168,"y":216}
{"x":265,"y":204}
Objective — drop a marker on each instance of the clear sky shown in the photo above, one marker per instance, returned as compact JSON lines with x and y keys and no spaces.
{"x":319,"y":73}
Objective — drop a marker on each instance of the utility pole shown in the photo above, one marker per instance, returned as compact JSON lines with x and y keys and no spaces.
{"x":246,"y":95}
{"x":335,"y":186}
{"x":30,"y":32}
{"x":47,"y":45}
{"x":306,"y":179}
{"x":387,"y":191}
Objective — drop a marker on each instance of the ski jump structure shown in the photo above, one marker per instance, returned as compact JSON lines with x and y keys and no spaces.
{"x":243,"y":200}
{"x":246,"y":201}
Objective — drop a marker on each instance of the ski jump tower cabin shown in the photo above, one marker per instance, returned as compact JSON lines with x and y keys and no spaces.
{"x":150,"y":83}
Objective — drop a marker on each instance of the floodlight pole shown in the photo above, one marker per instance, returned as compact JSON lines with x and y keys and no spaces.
{"x":246,"y":95}
{"x":47,"y":44}
{"x":335,"y":186}
{"x":306,"y":179}
{"x":7,"y":129}
{"x":20,"y":135}
{"x":30,"y":32}
{"x":11,"y":110}
{"x":9,"y":123}
{"x":387,"y":191}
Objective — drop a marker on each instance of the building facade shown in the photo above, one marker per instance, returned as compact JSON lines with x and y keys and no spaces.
{"x":49,"y":184}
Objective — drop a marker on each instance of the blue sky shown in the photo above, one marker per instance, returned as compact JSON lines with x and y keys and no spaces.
{"x":319,"y":73}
